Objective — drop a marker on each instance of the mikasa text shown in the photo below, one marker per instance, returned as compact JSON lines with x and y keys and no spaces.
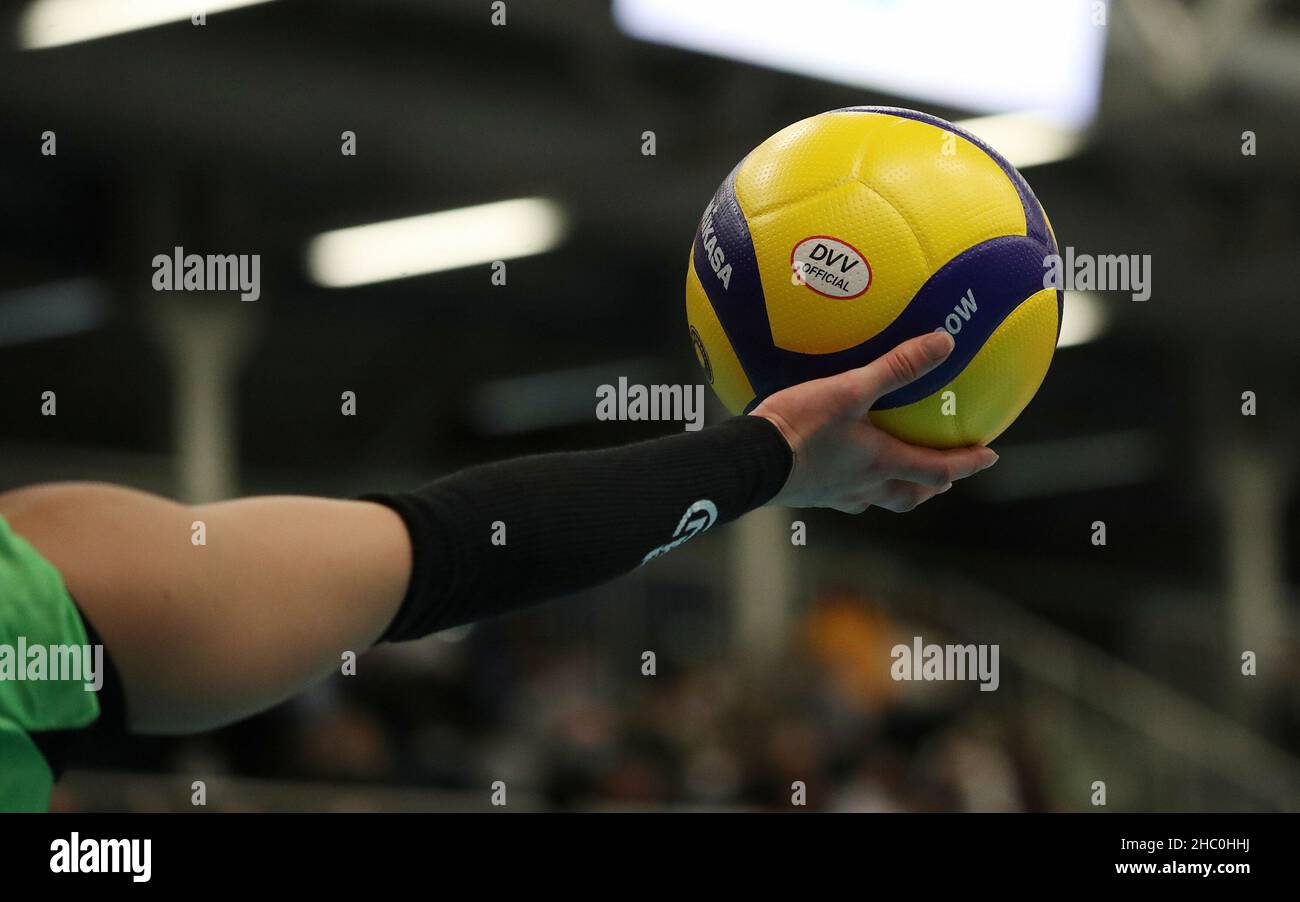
{"x":716,"y":256}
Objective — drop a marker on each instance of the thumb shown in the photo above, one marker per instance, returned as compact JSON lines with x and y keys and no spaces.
{"x":906,"y":363}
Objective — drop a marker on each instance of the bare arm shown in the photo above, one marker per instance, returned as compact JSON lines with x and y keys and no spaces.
{"x":207,"y":634}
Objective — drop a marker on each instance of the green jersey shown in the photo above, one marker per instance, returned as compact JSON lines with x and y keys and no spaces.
{"x":47,"y":670}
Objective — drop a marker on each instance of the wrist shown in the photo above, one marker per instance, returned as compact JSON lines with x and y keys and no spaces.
{"x":790,"y":437}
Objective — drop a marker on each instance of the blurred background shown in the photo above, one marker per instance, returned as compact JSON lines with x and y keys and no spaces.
{"x":1120,"y":663}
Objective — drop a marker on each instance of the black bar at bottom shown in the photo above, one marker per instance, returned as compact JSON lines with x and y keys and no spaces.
{"x":439,"y":852}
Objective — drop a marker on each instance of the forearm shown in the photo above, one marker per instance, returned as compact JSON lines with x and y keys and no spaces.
{"x":501,"y":536}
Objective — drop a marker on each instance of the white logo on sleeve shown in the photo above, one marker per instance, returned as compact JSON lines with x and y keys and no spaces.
{"x":698,"y":517}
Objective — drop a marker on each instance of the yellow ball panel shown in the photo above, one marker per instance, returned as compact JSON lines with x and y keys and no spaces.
{"x":948,"y":188}
{"x":721,"y":366}
{"x":802,"y":159}
{"x":931,"y":176}
{"x":992,"y":390}
{"x":803,"y":320}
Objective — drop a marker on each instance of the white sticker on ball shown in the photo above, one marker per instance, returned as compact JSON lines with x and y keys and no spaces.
{"x":830,"y":267}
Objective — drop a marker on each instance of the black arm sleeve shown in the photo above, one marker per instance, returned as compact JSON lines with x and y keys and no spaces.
{"x":504,"y":535}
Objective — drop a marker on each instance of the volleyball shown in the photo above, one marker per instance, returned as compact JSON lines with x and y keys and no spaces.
{"x":851,"y":231}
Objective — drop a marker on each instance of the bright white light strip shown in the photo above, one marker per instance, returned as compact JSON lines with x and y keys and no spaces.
{"x":1083,"y":319}
{"x":994,"y":56}
{"x":434,"y":242}
{"x":53,"y":23}
{"x":1025,"y":139}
